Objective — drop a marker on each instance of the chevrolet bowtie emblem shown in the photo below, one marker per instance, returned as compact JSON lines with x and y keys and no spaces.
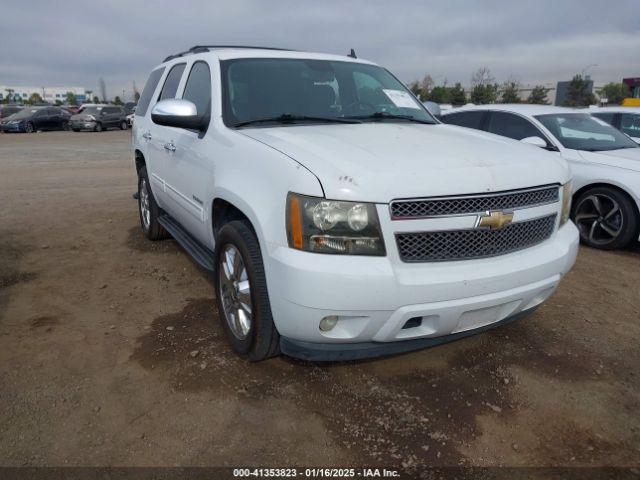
{"x":494,"y":220}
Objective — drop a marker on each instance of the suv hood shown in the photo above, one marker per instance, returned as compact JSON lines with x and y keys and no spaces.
{"x":379,"y":162}
{"x":628,"y":158}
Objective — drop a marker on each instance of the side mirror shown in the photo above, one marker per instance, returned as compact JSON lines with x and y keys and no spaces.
{"x":535,"y":141}
{"x":177,"y":113}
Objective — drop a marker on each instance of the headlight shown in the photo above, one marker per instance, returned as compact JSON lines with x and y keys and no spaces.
{"x":327,"y":226}
{"x":567,"y":192}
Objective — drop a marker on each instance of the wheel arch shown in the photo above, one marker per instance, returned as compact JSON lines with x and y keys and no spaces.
{"x":226,"y":207}
{"x":140,"y":161}
{"x":613,"y":186}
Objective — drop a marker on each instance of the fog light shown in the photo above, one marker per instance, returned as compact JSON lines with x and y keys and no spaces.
{"x":328,"y":322}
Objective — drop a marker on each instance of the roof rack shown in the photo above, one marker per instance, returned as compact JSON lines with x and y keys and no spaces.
{"x":207,"y":48}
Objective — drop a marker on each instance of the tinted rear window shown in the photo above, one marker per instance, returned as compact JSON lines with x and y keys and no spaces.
{"x":465,"y":119}
{"x":147,"y":92}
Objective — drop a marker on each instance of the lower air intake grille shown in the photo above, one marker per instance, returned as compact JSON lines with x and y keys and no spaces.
{"x":476,"y":243}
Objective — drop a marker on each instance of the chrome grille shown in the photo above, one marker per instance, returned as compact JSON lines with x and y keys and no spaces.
{"x":433,"y":207}
{"x":476,"y":243}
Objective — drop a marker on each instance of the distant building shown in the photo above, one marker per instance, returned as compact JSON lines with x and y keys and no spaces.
{"x":49,"y":94}
{"x":634,"y":86}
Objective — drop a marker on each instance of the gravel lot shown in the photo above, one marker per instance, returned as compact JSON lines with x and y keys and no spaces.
{"x":112,"y":353}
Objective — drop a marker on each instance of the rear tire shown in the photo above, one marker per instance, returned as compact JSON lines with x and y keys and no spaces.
{"x":260,"y":340}
{"x":76,"y":129}
{"x":606,"y":218}
{"x":123,"y":125}
{"x":28,"y":128}
{"x":148,"y":209}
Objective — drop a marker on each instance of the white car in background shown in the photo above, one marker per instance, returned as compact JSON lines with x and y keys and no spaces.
{"x":625,"y":119}
{"x":604,"y":161}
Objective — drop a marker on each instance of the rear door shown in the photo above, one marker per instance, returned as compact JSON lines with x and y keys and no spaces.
{"x":156,"y":136}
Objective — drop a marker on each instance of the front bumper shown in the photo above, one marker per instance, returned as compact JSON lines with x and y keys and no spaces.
{"x":82,"y":125}
{"x":375,"y":297}
{"x":14,"y":127}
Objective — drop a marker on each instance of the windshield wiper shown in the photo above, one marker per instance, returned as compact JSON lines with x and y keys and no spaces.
{"x":391,"y":116}
{"x":288,"y":118}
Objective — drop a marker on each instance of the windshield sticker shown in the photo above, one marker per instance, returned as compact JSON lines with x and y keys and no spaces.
{"x":401,"y":99}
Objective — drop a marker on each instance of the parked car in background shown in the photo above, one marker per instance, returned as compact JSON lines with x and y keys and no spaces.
{"x":99,"y":118}
{"x":8,"y":110}
{"x":605,"y":163}
{"x":129,"y":107}
{"x":72,"y":109}
{"x":130,"y":117}
{"x":625,"y":119}
{"x":340,"y":219}
{"x":32,"y":119}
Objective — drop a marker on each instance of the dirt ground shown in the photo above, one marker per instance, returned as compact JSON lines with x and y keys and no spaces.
{"x":111,"y":352}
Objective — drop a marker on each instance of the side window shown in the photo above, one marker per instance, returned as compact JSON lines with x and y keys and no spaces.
{"x":512,"y":126}
{"x":172,"y":81}
{"x":198,"y":88}
{"x":465,"y":119}
{"x":147,"y":92}
{"x":630,"y":124}
{"x":605,"y":117}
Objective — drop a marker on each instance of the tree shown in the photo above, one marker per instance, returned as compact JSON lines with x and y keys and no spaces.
{"x":511,"y":91}
{"x":71,"y":98}
{"x":614,"y":92}
{"x":34,"y":98}
{"x":58,"y":102}
{"x":136,"y":93}
{"x":9,"y":98}
{"x":117,"y":101}
{"x":95,"y":99}
{"x":538,"y":95}
{"x":457,"y":95}
{"x":482,"y":76}
{"x":421,"y":88}
{"x":579,"y":93}
{"x":481,"y":94}
{"x":439,"y":94}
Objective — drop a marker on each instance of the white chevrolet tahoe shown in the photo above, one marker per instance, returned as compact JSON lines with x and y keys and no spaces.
{"x":339,"y":218}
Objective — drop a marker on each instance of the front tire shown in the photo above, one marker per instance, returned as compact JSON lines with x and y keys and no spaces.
{"x":28,"y":128}
{"x":148,"y":209}
{"x":606,"y":218}
{"x":123,"y":125}
{"x":241,"y":293}
{"x":98,"y":127}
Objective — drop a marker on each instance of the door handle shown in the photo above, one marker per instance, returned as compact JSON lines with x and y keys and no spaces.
{"x":170,"y":147}
{"x":146,"y":136}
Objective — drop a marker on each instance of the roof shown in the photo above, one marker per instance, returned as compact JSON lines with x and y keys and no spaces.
{"x":617,"y":108}
{"x":230,"y":52}
{"x":525,"y":109}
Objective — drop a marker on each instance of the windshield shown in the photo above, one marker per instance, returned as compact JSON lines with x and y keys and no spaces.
{"x":26,"y":113}
{"x":289,"y":90}
{"x":581,"y":131}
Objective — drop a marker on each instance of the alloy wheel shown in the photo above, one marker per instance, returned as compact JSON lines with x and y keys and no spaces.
{"x":145,"y":209}
{"x":599,"y":219}
{"x":235,"y":292}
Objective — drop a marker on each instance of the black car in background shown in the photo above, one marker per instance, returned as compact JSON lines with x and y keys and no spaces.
{"x":98,"y":118}
{"x":8,"y":110}
{"x":32,"y":119}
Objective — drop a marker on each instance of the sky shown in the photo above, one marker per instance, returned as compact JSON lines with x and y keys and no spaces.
{"x":75,"y":43}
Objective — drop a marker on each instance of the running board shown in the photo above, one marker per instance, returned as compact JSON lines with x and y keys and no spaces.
{"x":201,"y":254}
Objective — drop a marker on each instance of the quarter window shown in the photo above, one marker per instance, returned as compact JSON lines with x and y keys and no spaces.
{"x":147,"y":92}
{"x":198,"y":88}
{"x":172,"y":81}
